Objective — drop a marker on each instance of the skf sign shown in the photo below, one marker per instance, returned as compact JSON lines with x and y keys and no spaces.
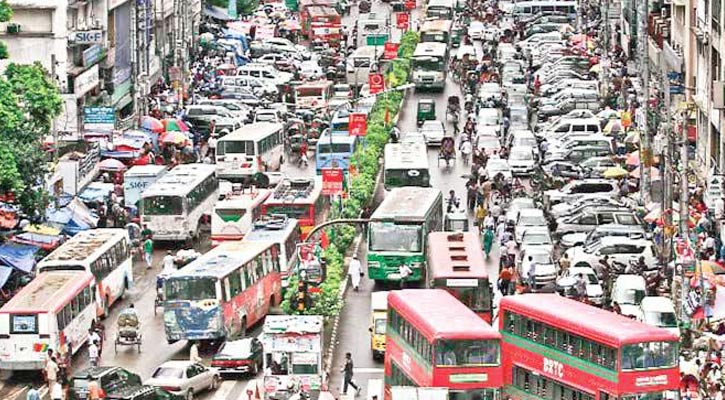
{"x":86,"y":37}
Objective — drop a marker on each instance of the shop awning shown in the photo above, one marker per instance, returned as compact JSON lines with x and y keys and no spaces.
{"x":217,"y":13}
{"x":18,"y":256}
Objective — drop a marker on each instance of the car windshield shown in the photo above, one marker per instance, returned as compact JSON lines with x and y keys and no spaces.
{"x":536,"y":238}
{"x":522,"y":155}
{"x":632,"y":296}
{"x":235,"y":349}
{"x":190,"y":288}
{"x":661,"y":319}
{"x":591,"y":279}
{"x":541,"y":258}
{"x":168,"y":372}
{"x":380,"y":326}
{"x":386,"y":236}
{"x":531,"y":220}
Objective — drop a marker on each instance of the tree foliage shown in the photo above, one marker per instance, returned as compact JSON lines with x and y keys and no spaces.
{"x":29,"y":101}
{"x":5,"y":14}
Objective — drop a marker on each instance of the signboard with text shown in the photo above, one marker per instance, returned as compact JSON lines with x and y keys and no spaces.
{"x":390,"y":51}
{"x":376,"y":82}
{"x":332,"y":181}
{"x":402,"y":19}
{"x":86,"y":37}
{"x":86,"y":81}
{"x":358,"y":124}
{"x":99,"y":119}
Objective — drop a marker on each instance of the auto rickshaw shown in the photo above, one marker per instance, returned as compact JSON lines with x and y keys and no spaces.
{"x":426,"y":111}
{"x":456,"y":36}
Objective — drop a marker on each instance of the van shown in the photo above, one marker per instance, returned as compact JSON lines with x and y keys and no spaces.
{"x":265,"y":72}
{"x":378,"y":322}
{"x":628,"y":291}
{"x":660,"y":312}
{"x":258,"y":86}
{"x":589,"y":125}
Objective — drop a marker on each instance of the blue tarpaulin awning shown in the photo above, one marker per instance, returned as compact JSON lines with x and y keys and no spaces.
{"x":18,"y":256}
{"x":4,"y":275}
{"x":217,"y":13}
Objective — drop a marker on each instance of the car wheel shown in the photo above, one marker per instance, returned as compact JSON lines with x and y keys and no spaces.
{"x":190,"y":394}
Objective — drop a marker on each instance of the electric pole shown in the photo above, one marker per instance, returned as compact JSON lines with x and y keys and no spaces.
{"x":645,"y":154}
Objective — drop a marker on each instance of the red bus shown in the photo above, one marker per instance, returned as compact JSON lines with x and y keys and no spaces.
{"x":222,"y":293}
{"x":301,"y":199}
{"x":320,"y":16}
{"x":558,"y":348}
{"x":456,"y":263}
{"x":433,"y":340}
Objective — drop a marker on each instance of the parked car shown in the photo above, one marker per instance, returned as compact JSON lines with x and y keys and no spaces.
{"x":620,"y":249}
{"x":595,"y":293}
{"x":529,"y":218}
{"x":584,"y":239}
{"x":545,"y":272}
{"x":516,"y":205}
{"x":243,"y":356}
{"x":576,"y":189}
{"x":660,"y":312}
{"x":537,"y":236}
{"x":586,"y":221}
{"x":628,"y":290}
{"x":587,"y":201}
{"x":184,"y":378}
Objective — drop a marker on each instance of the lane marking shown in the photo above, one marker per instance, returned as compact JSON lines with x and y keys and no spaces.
{"x":368,"y":370}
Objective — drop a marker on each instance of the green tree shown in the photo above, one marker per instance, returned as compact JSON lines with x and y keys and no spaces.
{"x":5,"y":14}
{"x":29,"y":101}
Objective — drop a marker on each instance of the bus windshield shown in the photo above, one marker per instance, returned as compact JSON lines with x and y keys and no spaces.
{"x":463,"y":353}
{"x":235,"y":147}
{"x":434,"y":36}
{"x":386,"y":236}
{"x":310,"y":92}
{"x":163,"y":205}
{"x":649,"y":355}
{"x":407,"y":177}
{"x":428,"y":63}
{"x":327,"y":148}
{"x":190,"y":288}
{"x":299,"y":211}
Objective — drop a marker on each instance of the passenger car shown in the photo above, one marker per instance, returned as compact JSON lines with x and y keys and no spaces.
{"x":595,"y":293}
{"x":576,"y":189}
{"x":528,"y":218}
{"x":496,"y":166}
{"x":243,"y":356}
{"x":620,"y":249}
{"x":184,"y":378}
{"x":596,"y":216}
{"x":522,"y":161}
{"x":110,"y":379}
{"x":628,"y":290}
{"x":537,"y":236}
{"x":433,"y":132}
{"x":545,"y":272}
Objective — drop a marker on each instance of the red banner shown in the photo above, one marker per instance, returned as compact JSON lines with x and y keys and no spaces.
{"x":332,"y":181}
{"x":376,"y":82}
{"x":409,"y":4}
{"x":401,"y":20}
{"x":390,"y":51}
{"x":358,"y":124}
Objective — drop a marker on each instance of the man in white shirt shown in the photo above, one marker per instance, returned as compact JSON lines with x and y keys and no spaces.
{"x":168,"y":262}
{"x":404,"y":271}
{"x":93,"y":337}
{"x":51,"y":371}
{"x":194,"y":353}
{"x":511,"y":250}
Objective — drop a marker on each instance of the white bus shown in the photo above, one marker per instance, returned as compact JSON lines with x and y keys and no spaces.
{"x":528,"y":9}
{"x":54,"y":311}
{"x":374,"y":26}
{"x":359,"y":63}
{"x":437,"y":30}
{"x":106,"y":253}
{"x":235,"y":213}
{"x":442,"y":9}
{"x":174,"y":205}
{"x":248,"y":152}
{"x":406,"y":164}
{"x":286,"y":233}
{"x":429,"y":65}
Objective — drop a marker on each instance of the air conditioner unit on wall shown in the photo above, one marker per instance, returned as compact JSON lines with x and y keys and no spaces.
{"x":13,"y":28}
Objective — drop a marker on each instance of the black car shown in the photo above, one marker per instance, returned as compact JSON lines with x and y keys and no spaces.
{"x":144,"y":392}
{"x":110,"y":379}
{"x":243,"y":356}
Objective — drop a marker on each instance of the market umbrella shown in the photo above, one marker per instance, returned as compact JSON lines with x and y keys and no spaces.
{"x":174,"y":125}
{"x":174,"y":137}
{"x":111,"y":164}
{"x":151,"y":124}
{"x":615,"y":172}
{"x":613,"y":126}
{"x":633,"y":159}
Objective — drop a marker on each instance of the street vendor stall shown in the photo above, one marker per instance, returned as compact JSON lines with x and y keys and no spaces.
{"x":292,"y":355}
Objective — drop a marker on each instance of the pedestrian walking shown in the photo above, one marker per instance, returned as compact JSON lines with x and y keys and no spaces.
{"x":347,"y":375}
{"x":56,"y":391}
{"x":94,"y":337}
{"x":93,"y":354}
{"x":168,"y":261}
{"x":194,"y":353}
{"x":355,"y":272}
{"x":51,"y":370}
{"x":148,"y":252}
{"x":33,"y":393}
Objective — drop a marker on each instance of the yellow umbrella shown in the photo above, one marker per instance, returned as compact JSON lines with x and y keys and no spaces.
{"x":613,"y":126}
{"x":615,"y":172}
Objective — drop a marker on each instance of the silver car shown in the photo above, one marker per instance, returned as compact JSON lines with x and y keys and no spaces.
{"x":184,"y":378}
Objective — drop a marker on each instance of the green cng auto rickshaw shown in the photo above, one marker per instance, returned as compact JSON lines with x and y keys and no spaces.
{"x":456,"y":36}
{"x":426,"y":111}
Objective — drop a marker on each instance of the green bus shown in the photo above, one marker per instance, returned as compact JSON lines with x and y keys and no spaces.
{"x":406,"y":164}
{"x":398,"y":229}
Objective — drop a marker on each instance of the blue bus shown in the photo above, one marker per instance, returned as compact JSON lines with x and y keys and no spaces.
{"x":334,"y":151}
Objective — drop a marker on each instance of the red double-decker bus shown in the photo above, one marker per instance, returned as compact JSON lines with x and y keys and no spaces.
{"x":456,"y":263}
{"x":433,"y":340}
{"x":558,"y":348}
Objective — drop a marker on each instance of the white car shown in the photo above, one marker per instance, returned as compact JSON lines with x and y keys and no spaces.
{"x":595,"y":293}
{"x":496,"y":166}
{"x":546,"y":270}
{"x":413,"y":137}
{"x":521,"y":160}
{"x":660,"y":312}
{"x":475,"y":30}
{"x":628,"y":290}
{"x":529,"y":218}
{"x":539,"y":237}
{"x":310,"y":70}
{"x":184,"y":378}
{"x":621,"y":249}
{"x":516,"y":205}
{"x":433,"y":132}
